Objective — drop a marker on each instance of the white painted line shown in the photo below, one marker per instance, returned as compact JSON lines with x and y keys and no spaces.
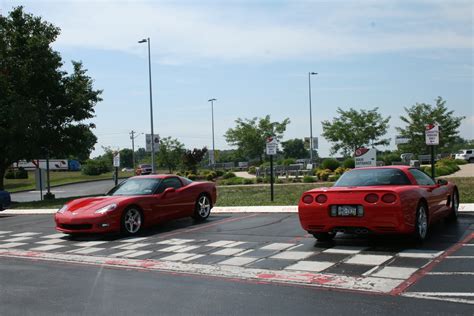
{"x":292,"y":255}
{"x":12,"y":245}
{"x":86,"y":251}
{"x":173,"y":248}
{"x":192,"y":258}
{"x":134,"y":239}
{"x":395,"y":272}
{"x":244,"y":252}
{"x":186,"y":249}
{"x":369,"y":260}
{"x":228,"y":251}
{"x":344,"y":250}
{"x":372,"y":284}
{"x":128,"y":246}
{"x":17,"y":239}
{"x":54,"y":236}
{"x":27,"y":234}
{"x":313,"y":266}
{"x":178,"y":256}
{"x":50,"y":241}
{"x":4,"y":232}
{"x":175,"y":241}
{"x":90,"y":243}
{"x":450,"y":273}
{"x":367,"y":273}
{"x":419,"y":253}
{"x":234,"y":244}
{"x":221,"y":243}
{"x":238,"y":261}
{"x":47,"y":247}
{"x":277,"y":246}
{"x":436,"y":298}
{"x":138,"y":254}
{"x":456,"y":294}
{"x":122,"y":254}
{"x":460,"y":257}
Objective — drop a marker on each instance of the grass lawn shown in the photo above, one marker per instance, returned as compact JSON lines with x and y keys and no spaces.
{"x":260,"y":195}
{"x":57,"y":178}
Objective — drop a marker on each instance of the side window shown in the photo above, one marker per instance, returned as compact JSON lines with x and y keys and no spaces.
{"x":469,"y":152}
{"x":421,"y":177}
{"x":169,"y":183}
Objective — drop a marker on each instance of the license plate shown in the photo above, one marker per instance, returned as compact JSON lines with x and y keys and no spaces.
{"x":346,"y":210}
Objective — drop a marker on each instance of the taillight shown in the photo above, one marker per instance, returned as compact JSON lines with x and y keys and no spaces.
{"x":321,"y":198}
{"x":371,"y":198}
{"x":389,"y":198}
{"x":308,"y":199}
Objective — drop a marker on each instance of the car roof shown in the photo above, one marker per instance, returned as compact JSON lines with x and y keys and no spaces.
{"x":400,"y":167}
{"x":155,"y":176}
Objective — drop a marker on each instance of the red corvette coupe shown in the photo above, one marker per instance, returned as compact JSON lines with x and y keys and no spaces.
{"x":136,"y":203}
{"x":380,"y":200}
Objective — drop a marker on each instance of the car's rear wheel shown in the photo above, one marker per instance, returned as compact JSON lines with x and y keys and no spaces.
{"x":324,"y":236}
{"x":132,"y":221}
{"x":454,"y":206}
{"x":202,"y":208}
{"x":421,"y":222}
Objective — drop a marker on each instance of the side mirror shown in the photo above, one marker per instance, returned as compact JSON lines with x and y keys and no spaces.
{"x":442,"y":182}
{"x":168,"y":191}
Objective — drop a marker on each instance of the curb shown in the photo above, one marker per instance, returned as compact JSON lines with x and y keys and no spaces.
{"x":465,"y":208}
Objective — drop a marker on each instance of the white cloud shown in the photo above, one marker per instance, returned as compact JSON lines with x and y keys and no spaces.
{"x":244,"y":31}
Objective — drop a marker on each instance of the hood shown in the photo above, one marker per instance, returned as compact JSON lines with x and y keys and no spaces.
{"x":93,"y":203}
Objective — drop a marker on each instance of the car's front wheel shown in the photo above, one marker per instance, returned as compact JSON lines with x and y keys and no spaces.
{"x":421,"y":222}
{"x":132,"y":221}
{"x":202,"y":208}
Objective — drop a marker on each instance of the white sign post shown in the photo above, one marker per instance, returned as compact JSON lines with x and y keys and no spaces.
{"x":272,"y":148}
{"x":116,"y":159}
{"x":365,"y":157}
{"x":432,"y":139}
{"x":156,"y":138}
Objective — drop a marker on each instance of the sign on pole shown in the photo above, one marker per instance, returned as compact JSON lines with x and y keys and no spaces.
{"x":315,"y":143}
{"x":399,"y":140}
{"x":432,"y":134}
{"x":116,"y":156}
{"x":156,"y":138}
{"x":272,"y":146}
{"x":365,"y":157}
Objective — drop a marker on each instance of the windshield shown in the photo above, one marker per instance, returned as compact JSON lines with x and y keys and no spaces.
{"x":136,"y":187}
{"x":370,"y":177}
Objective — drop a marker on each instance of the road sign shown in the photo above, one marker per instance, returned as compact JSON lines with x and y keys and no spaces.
{"x":156,"y":141}
{"x":365,"y":157}
{"x":315,"y":143}
{"x":272,"y":146}
{"x":432,"y":134}
{"x":399,"y":140}
{"x":116,"y":156}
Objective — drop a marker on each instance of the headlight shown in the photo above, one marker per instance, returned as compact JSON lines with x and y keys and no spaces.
{"x":62,"y":209}
{"x":106,"y":209}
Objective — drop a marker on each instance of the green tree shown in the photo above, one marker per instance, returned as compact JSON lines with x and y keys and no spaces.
{"x":126,"y":158}
{"x":353,"y":129}
{"x":420,"y":114}
{"x":249,"y":136}
{"x":192,"y":158}
{"x":43,"y":109}
{"x":294,"y":148}
{"x":170,"y":153}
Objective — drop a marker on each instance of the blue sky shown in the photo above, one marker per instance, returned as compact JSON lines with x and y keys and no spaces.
{"x":254,"y":56}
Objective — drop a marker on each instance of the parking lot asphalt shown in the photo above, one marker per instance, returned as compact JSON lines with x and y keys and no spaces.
{"x":269,"y":248}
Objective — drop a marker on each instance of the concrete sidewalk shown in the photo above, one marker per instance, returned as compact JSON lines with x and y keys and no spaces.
{"x":463,"y":209}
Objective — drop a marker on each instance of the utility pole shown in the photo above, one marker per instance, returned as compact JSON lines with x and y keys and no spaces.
{"x":133,"y":135}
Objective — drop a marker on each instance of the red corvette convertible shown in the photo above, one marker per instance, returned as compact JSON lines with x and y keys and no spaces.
{"x":380,"y":200}
{"x":136,"y":203}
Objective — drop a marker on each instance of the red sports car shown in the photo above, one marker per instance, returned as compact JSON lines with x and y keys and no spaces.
{"x":380,"y":200}
{"x":137,"y":203}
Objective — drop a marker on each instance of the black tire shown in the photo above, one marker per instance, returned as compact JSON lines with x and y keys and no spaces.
{"x":421,"y":222}
{"x":453,"y":215}
{"x":324,"y":236}
{"x":202,"y":208}
{"x":132,"y":221}
{"x":471,"y":160}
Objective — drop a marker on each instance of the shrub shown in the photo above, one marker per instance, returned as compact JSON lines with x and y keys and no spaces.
{"x":259,"y":180}
{"x":21,"y":173}
{"x":278,"y":180}
{"x":331,"y":164}
{"x":191,"y":176}
{"x":252,"y":170}
{"x":233,"y":181}
{"x":288,"y":161}
{"x":248,"y":181}
{"x":333,"y":177}
{"x":339,"y":171}
{"x":10,"y":174}
{"x":211,"y":176}
{"x":296,"y":180}
{"x":219,"y":173}
{"x":228,"y":175}
{"x":308,"y":179}
{"x":323,"y":174}
{"x":92,"y":168}
{"x":349,"y":163}
{"x":460,"y":161}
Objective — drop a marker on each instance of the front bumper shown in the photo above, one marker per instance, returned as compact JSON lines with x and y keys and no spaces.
{"x":73,"y":223}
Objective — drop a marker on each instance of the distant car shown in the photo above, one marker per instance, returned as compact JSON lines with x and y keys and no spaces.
{"x":379,"y":200}
{"x":137,"y":203}
{"x":143,"y":170}
{"x":465,"y":154}
{"x":5,"y":200}
{"x":127,"y":169}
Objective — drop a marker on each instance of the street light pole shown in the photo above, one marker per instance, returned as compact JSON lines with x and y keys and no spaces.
{"x":212,"y":162}
{"x":151,"y":107}
{"x":310,"y":118}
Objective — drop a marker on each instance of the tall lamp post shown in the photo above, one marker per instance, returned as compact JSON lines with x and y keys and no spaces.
{"x":310,"y":118}
{"x":147,"y":40}
{"x":212,"y":161}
